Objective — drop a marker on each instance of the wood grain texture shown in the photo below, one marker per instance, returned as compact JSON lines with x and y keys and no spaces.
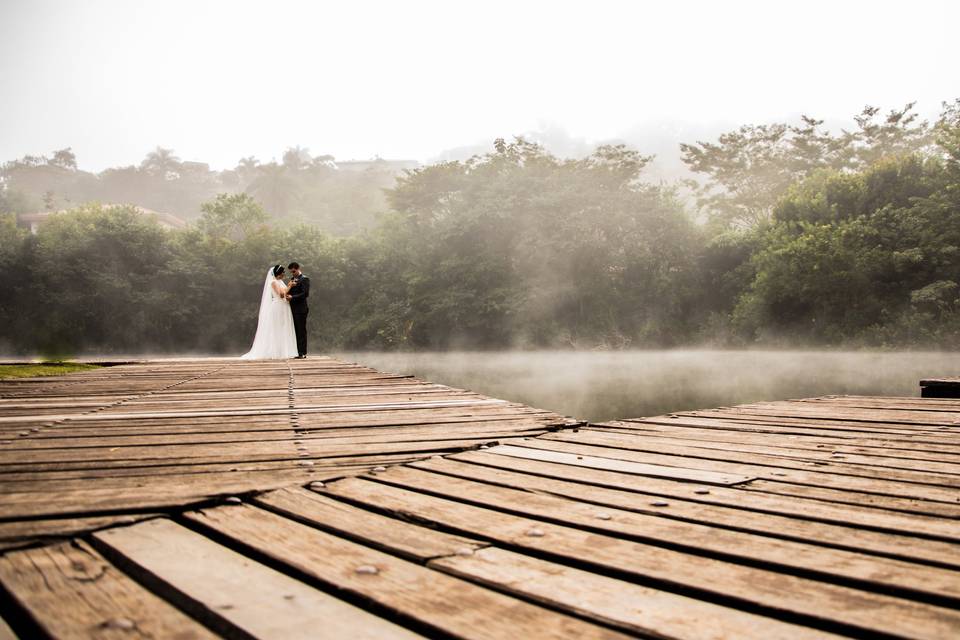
{"x":728,"y":508}
{"x":815,"y":601}
{"x":231,"y":593}
{"x":638,"y":609}
{"x":160,"y":435}
{"x":71,"y":591}
{"x":432,"y":598}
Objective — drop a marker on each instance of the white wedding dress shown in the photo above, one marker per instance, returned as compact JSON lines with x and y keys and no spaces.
{"x":275,"y":338}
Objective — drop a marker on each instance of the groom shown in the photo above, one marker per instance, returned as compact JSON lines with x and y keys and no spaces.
{"x":298,"y":305}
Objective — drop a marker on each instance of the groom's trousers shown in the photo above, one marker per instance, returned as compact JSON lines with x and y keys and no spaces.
{"x":300,"y":328}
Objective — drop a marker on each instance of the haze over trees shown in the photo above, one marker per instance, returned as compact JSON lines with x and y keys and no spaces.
{"x":793,"y":235}
{"x":341,"y":199}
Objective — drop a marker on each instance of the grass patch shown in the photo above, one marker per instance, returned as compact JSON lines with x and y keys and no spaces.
{"x":43,"y":369}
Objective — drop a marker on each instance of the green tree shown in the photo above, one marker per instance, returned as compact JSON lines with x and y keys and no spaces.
{"x":863,"y":257}
{"x":232,"y":216}
{"x":518,"y":245}
{"x":749,"y":170}
{"x":15,"y":272}
{"x":64,"y":158}
{"x":898,"y":133}
{"x":95,"y":281}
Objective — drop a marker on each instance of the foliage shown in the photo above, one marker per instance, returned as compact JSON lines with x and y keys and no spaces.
{"x":850,"y":239}
{"x":519,"y":246}
{"x":231,"y":216}
{"x":871,"y":257}
{"x":342,"y":201}
{"x":750,"y":169}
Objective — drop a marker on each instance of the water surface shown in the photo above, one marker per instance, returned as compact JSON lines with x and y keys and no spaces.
{"x":605,"y":385}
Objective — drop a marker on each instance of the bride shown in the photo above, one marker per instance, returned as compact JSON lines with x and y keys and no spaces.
{"x":275,"y":336}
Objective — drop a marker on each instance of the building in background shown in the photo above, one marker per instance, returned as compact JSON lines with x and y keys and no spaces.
{"x":377,"y":163}
{"x":34,"y":221}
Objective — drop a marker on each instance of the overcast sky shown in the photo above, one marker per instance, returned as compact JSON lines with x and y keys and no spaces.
{"x":218,"y":80}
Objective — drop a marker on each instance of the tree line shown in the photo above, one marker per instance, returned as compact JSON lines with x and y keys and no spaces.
{"x":798,"y":236}
{"x":302,"y":187}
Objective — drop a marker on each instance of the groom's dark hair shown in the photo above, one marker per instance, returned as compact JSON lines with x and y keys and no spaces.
{"x":293,"y":265}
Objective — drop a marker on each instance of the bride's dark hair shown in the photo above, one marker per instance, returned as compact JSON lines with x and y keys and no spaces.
{"x":277,"y":270}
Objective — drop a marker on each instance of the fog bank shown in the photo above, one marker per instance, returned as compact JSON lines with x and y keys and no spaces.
{"x":627,"y":384}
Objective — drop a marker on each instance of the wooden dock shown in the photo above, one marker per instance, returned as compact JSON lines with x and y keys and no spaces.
{"x":322,"y":499}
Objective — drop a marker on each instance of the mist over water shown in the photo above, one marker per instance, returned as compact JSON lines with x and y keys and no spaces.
{"x":606,"y":385}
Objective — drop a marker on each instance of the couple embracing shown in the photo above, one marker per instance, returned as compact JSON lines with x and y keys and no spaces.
{"x":282,"y":323}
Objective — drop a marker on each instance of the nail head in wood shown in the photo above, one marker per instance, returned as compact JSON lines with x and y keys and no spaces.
{"x":124,"y":624}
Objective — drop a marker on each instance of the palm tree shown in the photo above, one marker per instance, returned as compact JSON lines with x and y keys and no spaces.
{"x":273,"y":188}
{"x":296,"y":157}
{"x":160,"y":162}
{"x":246,"y":170}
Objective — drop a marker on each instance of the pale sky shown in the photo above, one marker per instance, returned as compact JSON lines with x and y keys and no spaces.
{"x":218,"y":80}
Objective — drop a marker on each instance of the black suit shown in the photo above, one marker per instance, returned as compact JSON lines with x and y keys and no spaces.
{"x":298,"y":305}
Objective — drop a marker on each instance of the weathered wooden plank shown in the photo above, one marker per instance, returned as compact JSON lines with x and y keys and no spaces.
{"x":412,"y":541}
{"x":149,"y":497}
{"x":944,"y":451}
{"x":920,"y":498}
{"x":613,"y":464}
{"x":70,"y":591}
{"x":230,"y":593}
{"x":451,"y":407}
{"x":133,"y":477}
{"x":840,"y":466}
{"x":818,"y":603}
{"x":870,"y":572}
{"x":916,"y":504}
{"x":440,"y":602}
{"x":714,"y":506}
{"x":887,"y":402}
{"x":264,"y":423}
{"x":26,"y":531}
{"x":836,"y":427}
{"x":860,"y":515}
{"x":877,"y":418}
{"x":635,"y":608}
{"x":789,"y":449}
{"x":368,"y":437}
{"x":638,"y":609}
{"x":239,"y":453}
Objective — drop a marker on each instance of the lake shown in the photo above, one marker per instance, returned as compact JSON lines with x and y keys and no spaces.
{"x":603,"y":385}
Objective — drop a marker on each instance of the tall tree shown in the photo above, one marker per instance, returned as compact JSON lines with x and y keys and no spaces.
{"x":898,"y":133}
{"x":64,"y":158}
{"x":160,"y":162}
{"x":274,"y":188}
{"x":231,"y":216}
{"x":747,"y":171}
